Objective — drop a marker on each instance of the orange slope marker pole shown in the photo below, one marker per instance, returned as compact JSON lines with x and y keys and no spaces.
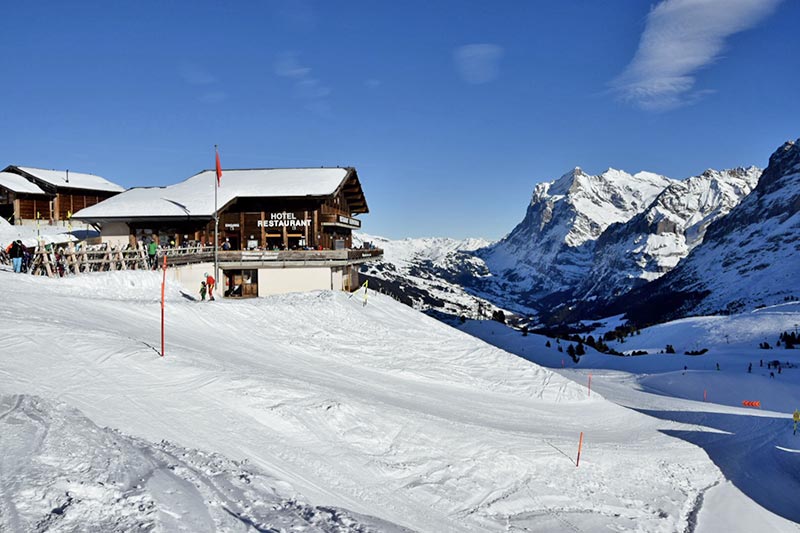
{"x":163,"y":283}
{"x":580,"y":445}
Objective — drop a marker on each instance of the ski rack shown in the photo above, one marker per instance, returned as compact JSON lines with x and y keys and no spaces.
{"x":52,"y":261}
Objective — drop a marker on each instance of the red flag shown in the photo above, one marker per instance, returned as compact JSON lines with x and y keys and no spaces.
{"x":219,"y":170}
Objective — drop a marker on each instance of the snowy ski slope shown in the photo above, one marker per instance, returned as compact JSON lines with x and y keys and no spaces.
{"x":341,"y":411}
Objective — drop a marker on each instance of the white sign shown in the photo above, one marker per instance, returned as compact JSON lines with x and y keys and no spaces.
{"x":284,"y":219}
{"x":355,"y":223}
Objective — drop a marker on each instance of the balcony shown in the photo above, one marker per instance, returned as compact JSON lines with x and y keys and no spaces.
{"x":270,"y":258}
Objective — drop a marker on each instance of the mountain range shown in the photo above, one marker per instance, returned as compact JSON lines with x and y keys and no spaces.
{"x":592,"y":245}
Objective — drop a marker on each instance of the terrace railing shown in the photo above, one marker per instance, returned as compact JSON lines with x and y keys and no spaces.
{"x":183,"y":256}
{"x":56,"y":261}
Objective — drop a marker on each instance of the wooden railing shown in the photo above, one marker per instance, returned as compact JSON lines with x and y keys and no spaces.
{"x":182,"y":256}
{"x":68,"y":259}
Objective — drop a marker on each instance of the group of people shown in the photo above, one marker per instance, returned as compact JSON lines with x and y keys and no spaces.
{"x":771,"y":366}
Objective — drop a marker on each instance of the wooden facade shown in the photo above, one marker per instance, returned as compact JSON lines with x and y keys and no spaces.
{"x":54,"y":208}
{"x":268,"y":223}
{"x":55,"y":205}
{"x":280,"y":230}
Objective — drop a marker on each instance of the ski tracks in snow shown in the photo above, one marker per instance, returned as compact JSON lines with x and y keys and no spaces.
{"x":9,"y":517}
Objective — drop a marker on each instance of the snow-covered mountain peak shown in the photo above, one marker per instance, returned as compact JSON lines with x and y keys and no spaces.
{"x":785,"y":161}
{"x":551,"y":249}
{"x":701,"y":199}
{"x":593,"y":202}
{"x":563,"y":185}
{"x":409,"y":250}
{"x":654,"y":241}
{"x":585,"y":240}
{"x":746,"y":258}
{"x":613,"y":196}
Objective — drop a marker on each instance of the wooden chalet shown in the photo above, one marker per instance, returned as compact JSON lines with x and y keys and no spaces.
{"x":29,"y":195}
{"x":280,"y":230}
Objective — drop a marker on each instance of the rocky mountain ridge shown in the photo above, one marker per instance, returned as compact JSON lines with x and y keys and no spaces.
{"x":630,"y":254}
{"x":588,"y":241}
{"x":748,"y":258}
{"x":551,"y":250}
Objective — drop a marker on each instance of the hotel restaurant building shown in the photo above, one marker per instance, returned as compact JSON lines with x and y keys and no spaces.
{"x":280,"y":230}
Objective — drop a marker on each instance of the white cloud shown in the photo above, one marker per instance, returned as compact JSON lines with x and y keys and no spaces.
{"x":680,"y":37}
{"x":287,"y":66}
{"x":204,"y":81}
{"x":306,"y":87}
{"x":478,"y":63}
{"x":195,"y":75}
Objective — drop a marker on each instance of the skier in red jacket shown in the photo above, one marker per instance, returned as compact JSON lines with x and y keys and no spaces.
{"x":210,"y":283}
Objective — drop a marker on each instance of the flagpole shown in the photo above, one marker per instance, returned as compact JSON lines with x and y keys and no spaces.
{"x":216,"y":227}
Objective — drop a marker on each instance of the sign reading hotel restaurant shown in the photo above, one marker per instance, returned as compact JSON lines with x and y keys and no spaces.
{"x":284,"y":219}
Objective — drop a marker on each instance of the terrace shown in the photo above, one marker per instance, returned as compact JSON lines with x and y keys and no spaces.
{"x":270,"y":258}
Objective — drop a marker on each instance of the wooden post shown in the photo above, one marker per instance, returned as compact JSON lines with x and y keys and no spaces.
{"x":305,"y":228}
{"x":163,"y":283}
{"x":72,"y":261}
{"x":315,"y":230}
{"x":263,"y":231}
{"x":142,"y":256}
{"x":242,"y":240}
{"x":48,"y":268}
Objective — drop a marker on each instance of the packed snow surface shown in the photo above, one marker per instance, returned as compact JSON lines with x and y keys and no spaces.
{"x":342,"y":412}
{"x":756,"y":449}
{"x":31,"y":235}
{"x":64,"y":473}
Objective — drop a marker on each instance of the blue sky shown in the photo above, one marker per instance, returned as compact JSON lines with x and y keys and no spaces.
{"x":451,"y":111}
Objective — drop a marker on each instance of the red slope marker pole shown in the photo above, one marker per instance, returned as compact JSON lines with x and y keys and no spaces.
{"x":163,"y":282}
{"x":580,"y":445}
{"x":705,"y":395}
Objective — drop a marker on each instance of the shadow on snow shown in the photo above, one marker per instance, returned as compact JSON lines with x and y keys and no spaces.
{"x":747,"y":455}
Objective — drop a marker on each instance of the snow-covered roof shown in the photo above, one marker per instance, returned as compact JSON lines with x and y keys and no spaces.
{"x":194,"y":197}
{"x":18,"y":184}
{"x":77,"y":180}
